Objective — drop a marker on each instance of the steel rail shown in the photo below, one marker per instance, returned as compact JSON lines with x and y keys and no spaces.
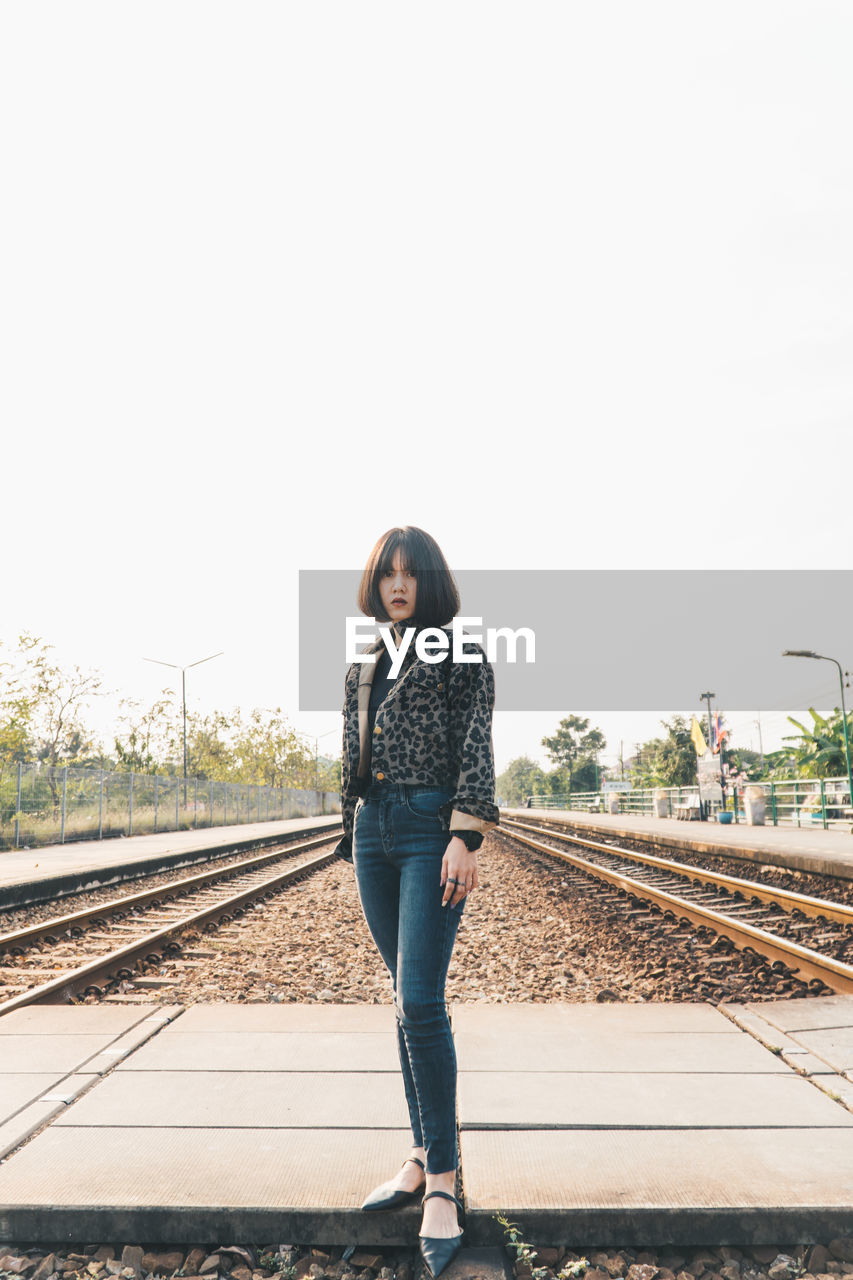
{"x":811,"y":965}
{"x":9,"y":942}
{"x":115,"y":963}
{"x":784,"y":898}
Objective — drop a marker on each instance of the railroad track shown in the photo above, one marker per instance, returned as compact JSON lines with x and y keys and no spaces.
{"x":43,"y":962}
{"x":811,"y":938}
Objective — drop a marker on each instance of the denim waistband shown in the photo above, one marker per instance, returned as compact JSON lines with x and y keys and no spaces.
{"x":398,"y":790}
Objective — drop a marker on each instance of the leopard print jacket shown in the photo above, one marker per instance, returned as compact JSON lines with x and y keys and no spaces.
{"x":424,"y":734}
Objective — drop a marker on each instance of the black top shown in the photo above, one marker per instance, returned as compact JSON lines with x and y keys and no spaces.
{"x":382,"y":682}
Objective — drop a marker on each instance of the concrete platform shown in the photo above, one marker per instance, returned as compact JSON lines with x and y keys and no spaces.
{"x":827,"y":852}
{"x":814,"y":1036}
{"x":589,"y":1124}
{"x":49,"y":1056}
{"x":37,"y":875}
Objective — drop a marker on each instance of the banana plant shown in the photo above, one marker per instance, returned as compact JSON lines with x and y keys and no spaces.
{"x":819,"y":750}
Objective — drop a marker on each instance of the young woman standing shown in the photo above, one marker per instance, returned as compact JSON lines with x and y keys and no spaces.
{"x":417,"y":793}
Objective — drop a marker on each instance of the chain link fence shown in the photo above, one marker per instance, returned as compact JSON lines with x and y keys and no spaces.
{"x":43,"y":804}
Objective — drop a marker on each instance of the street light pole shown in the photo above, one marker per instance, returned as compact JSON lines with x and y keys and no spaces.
{"x":316,"y":738}
{"x":760,"y":742}
{"x":809,"y":653}
{"x":706,"y":697}
{"x":183,"y":671}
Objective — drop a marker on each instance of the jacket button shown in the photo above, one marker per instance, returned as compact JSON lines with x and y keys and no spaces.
{"x":377,"y":729}
{"x":441,"y":684}
{"x":379,"y":777}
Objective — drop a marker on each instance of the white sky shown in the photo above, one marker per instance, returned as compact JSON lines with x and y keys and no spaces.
{"x":567,"y":285}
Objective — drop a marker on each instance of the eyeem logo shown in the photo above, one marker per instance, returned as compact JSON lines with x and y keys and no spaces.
{"x":432,"y":643}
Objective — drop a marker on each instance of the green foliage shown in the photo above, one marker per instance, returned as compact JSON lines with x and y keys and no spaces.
{"x":747,"y":762}
{"x":268,"y":750}
{"x":819,"y":751}
{"x":526,"y":1253}
{"x":279,"y":1263}
{"x":574,"y":744}
{"x":674,"y":760}
{"x":521,"y":778}
{"x":780,"y":765}
{"x":42,"y":707}
{"x":16,"y":716}
{"x":669,"y":761}
{"x":42,"y":718}
{"x":145,"y":737}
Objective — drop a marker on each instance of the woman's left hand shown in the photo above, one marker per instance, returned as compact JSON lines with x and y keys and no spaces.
{"x":459,"y":863}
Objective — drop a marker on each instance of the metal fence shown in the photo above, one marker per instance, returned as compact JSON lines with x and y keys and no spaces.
{"x":797,"y":802}
{"x":41,"y":804}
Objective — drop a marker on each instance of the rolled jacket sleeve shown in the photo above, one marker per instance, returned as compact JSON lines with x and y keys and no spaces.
{"x":348,"y":802}
{"x":472,"y":702}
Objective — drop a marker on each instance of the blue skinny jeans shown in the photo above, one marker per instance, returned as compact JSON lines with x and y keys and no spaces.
{"x":398,"y":845}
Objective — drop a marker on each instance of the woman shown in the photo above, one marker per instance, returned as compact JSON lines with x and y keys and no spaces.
{"x":417,"y":791}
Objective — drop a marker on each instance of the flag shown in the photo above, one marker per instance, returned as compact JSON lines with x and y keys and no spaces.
{"x":719,"y":733}
{"x":698,"y":739}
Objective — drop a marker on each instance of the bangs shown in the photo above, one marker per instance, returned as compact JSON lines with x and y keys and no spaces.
{"x":408,"y":556}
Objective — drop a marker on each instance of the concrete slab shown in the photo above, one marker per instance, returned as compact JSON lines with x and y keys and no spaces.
{"x":588,"y":1049}
{"x":810,"y":1014}
{"x":230,"y":1099}
{"x":70,"y":1088}
{"x":172,"y":1184}
{"x":637,"y":1100}
{"x":646,"y":1186}
{"x":266,"y":1051}
{"x":340,"y":1018}
{"x":790,"y":1051}
{"x":73,"y":1019}
{"x":840,"y":1088}
{"x":48,"y":1053}
{"x":833,"y":1046}
{"x":125,"y":1044}
{"x":617,"y":1019}
{"x":19,"y":1127}
{"x":19,"y":1089}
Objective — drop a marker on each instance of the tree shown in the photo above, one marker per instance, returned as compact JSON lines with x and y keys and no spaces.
{"x":819,"y":751}
{"x":146,"y":737}
{"x":521,"y":778}
{"x":44,"y":709}
{"x":210,"y":753}
{"x":674,"y":758}
{"x":574,"y":741}
{"x":16,"y":717}
{"x":268,"y":750}
{"x":743,"y":760}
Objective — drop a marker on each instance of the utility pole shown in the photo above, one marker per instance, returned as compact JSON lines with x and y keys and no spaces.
{"x":703,"y":697}
{"x":760,"y":742}
{"x":706,"y":697}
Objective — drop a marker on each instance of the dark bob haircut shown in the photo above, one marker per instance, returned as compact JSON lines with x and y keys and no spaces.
{"x":437,"y":597}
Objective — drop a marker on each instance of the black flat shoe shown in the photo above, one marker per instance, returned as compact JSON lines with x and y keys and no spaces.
{"x":385,"y":1197}
{"x":439,"y":1251}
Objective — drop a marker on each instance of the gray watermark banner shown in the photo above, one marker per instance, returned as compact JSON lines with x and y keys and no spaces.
{"x":614,"y":639}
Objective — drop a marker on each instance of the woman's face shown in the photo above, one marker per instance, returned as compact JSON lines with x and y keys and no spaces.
{"x":398,"y":589}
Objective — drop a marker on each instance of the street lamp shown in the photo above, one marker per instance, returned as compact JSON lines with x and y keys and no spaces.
{"x":183,"y":671}
{"x":316,"y":738}
{"x":809,"y":653}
